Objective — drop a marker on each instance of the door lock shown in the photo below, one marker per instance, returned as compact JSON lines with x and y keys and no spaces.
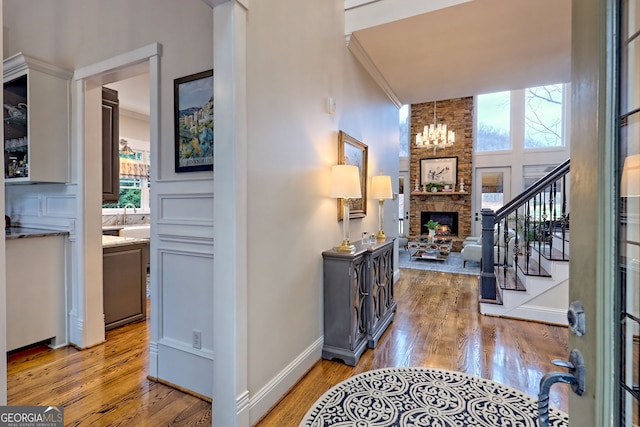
{"x":576,"y":318}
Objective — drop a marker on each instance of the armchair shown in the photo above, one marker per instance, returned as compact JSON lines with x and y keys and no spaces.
{"x":472,"y":248}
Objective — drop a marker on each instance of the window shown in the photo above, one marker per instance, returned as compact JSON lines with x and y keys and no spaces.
{"x":531,"y":118}
{"x":494,"y":121}
{"x":543,"y":116}
{"x":404,"y":130}
{"x":134,"y":181}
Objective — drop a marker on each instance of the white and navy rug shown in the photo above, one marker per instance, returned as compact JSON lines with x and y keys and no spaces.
{"x":408,"y":397}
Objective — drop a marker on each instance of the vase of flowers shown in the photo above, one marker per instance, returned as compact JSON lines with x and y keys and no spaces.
{"x":432,"y":226}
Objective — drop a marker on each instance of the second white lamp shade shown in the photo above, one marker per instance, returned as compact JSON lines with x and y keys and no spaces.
{"x":381,"y":187}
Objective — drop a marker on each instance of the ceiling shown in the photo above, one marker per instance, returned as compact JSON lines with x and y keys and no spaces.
{"x":472,"y":47}
{"x":133,"y":94}
{"x":478,"y":46}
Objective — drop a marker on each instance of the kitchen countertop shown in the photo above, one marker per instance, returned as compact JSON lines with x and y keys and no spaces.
{"x":22,"y":232}
{"x":112,"y":241}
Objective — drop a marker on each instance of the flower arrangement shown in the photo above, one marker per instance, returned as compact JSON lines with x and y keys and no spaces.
{"x":432,"y":225}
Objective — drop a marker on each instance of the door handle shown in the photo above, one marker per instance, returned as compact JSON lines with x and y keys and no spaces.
{"x":575,"y":377}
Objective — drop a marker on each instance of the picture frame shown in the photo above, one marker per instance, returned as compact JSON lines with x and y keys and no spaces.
{"x":193,"y":122}
{"x":353,"y":152}
{"x":439,"y":170}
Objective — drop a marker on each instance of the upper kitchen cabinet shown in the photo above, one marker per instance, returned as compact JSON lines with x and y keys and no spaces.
{"x":36,"y":121}
{"x":110,"y":146}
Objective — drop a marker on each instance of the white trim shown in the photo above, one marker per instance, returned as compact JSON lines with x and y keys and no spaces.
{"x":361,"y":55}
{"x":84,"y":326}
{"x":125,"y":60}
{"x":273,"y":391}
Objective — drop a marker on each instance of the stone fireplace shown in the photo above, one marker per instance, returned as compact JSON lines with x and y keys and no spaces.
{"x":453,"y":209}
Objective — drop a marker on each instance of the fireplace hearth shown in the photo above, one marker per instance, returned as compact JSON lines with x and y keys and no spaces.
{"x":448,"y":222}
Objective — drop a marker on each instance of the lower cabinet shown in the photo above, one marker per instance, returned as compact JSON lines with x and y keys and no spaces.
{"x":124,"y":283}
{"x":358,"y":299}
{"x":36,"y":291}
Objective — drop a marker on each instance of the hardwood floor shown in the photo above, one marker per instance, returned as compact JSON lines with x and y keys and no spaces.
{"x":437,"y":325}
{"x":105,"y":385}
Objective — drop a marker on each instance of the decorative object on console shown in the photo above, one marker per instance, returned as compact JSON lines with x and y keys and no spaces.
{"x":381,"y":189}
{"x":355,"y":153}
{"x":345,"y":185}
{"x":435,"y":135}
{"x":439,"y":171}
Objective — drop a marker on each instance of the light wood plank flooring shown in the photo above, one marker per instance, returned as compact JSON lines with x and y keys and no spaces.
{"x":437,"y":325}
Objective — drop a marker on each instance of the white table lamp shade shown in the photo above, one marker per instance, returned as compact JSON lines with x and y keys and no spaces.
{"x":345,"y":182}
{"x":381,"y":187}
{"x":630,"y":183}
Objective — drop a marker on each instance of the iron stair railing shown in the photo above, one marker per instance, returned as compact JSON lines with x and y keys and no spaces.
{"x":533,"y":219}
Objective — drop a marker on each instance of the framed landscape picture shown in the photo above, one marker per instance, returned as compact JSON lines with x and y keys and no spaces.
{"x":353,"y":152}
{"x":193,"y":122}
{"x":442,"y":170}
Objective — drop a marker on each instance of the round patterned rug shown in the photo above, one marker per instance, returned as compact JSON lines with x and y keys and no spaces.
{"x":409,"y":397}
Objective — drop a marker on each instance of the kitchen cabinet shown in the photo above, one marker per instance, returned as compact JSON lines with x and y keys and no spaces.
{"x":36,"y":121}
{"x":35,"y":290}
{"x":358,"y":299}
{"x":124,"y":279}
{"x":110,"y":146}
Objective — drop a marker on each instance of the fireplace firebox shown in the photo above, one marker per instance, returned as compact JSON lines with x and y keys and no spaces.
{"x":448,"y":222}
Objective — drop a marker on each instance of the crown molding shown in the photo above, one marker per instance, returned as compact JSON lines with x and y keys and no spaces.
{"x":356,"y":49}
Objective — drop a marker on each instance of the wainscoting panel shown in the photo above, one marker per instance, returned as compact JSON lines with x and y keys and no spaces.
{"x":182,"y":286}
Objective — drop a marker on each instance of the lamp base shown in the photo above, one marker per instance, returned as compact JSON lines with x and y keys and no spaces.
{"x":346,"y":246}
{"x":381,"y":235}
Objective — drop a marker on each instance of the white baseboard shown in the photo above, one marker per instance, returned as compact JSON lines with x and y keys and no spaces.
{"x":540,"y":314}
{"x":262,"y":401}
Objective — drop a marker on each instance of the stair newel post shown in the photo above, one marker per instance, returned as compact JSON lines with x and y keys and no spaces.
{"x":487,"y":275}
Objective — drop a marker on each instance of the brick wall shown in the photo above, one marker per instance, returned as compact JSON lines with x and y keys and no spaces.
{"x":457,"y":114}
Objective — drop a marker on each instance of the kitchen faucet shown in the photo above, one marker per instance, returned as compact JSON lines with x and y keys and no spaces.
{"x":124,"y":215}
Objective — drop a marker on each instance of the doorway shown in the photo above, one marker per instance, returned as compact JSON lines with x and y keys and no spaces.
{"x":89,"y":82}
{"x":492,"y":189}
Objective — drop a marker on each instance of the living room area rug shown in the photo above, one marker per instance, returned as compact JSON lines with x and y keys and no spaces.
{"x":453,"y":263}
{"x":408,"y":397}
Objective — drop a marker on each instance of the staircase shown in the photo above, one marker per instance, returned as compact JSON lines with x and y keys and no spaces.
{"x":531,"y":283}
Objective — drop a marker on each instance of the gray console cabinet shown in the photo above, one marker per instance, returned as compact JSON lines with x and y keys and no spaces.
{"x":358,"y":299}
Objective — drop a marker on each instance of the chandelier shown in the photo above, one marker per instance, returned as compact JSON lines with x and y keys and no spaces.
{"x":435,"y":135}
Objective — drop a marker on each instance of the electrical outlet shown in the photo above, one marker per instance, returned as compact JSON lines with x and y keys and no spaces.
{"x":196,"y":338}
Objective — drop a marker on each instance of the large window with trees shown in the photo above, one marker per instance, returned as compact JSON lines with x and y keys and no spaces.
{"x":494,"y":121}
{"x":543,"y":116}
{"x":531,"y":118}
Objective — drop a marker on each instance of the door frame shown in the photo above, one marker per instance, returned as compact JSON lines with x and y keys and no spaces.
{"x":85,"y":318}
{"x":593,"y":269}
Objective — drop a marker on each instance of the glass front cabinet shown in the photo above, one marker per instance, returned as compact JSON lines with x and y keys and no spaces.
{"x":36,"y":121}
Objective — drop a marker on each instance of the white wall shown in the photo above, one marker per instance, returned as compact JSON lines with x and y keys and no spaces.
{"x":295,"y":60}
{"x":135,"y":130}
